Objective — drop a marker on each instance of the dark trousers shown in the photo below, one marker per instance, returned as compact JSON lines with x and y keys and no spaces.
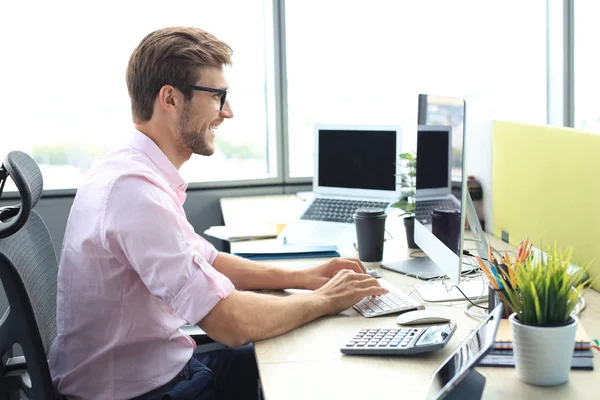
{"x":221,"y":374}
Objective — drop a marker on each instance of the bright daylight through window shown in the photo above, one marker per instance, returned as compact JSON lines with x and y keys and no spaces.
{"x":367,"y":64}
{"x":65,"y":99}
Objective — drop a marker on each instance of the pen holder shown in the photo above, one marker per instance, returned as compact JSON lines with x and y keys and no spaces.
{"x":496,"y":296}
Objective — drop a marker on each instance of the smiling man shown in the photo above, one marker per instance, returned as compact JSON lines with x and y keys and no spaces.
{"x":133,"y":271}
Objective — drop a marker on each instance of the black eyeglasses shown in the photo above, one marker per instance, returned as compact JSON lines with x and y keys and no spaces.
{"x":223,"y":93}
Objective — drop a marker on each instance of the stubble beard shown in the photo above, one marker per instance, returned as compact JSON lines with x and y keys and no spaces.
{"x":192,"y":140}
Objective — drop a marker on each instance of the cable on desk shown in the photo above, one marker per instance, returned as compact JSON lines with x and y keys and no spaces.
{"x":480,"y":315}
{"x":466,"y":298}
{"x":493,"y":248}
{"x":469,"y":254}
{"x":390,"y":238}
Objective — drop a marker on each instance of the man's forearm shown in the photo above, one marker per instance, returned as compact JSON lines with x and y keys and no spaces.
{"x":253,"y":316}
{"x":248,"y":275}
{"x":246,"y":316}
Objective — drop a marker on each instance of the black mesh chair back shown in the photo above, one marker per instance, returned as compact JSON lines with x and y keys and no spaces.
{"x":28,"y":272}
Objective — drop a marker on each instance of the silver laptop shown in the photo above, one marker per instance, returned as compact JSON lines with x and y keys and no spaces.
{"x":434,"y":172}
{"x":355,"y":167}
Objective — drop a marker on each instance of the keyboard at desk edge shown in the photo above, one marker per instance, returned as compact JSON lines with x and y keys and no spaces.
{"x":390,"y":303}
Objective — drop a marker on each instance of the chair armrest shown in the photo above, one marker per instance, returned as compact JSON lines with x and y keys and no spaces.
{"x":204,"y":343}
{"x":14,"y":381}
{"x":15,"y":363}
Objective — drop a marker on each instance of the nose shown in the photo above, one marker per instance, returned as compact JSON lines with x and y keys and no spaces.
{"x":227,"y":111}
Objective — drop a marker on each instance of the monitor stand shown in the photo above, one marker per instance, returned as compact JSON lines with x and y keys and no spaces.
{"x":420,"y":268}
{"x":445,"y":291}
{"x":440,"y":290}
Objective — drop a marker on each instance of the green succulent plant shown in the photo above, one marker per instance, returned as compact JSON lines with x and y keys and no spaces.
{"x":544,"y":289}
{"x":408,"y":182}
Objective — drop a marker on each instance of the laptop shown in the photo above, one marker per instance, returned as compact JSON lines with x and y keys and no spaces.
{"x":355,"y":167}
{"x":434,"y":172}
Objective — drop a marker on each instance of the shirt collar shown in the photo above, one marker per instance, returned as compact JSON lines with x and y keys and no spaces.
{"x":142,"y":143}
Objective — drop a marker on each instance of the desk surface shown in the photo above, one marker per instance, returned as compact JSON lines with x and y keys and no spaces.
{"x":306,"y":363}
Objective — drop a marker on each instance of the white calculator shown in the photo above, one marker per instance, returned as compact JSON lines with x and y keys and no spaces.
{"x":399,"y":341}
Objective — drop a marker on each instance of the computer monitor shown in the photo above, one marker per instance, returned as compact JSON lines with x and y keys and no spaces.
{"x":440,"y":211}
{"x":440,"y":216}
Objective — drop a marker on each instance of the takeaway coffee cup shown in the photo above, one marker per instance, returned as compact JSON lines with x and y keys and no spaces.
{"x":370,"y":231}
{"x":445,"y":225}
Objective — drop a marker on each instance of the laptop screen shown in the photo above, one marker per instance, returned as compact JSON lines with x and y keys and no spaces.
{"x":433,"y":167}
{"x":357,"y":159}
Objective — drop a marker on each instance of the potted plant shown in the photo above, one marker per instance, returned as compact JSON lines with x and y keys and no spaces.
{"x":543,"y":291}
{"x":406,"y":202}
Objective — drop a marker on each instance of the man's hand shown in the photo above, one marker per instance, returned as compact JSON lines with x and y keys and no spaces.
{"x":347,"y":288}
{"x":321,"y":274}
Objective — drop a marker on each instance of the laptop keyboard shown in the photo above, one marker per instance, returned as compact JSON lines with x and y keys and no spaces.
{"x":392,"y":302}
{"x":337,"y":210}
{"x":425,"y":208}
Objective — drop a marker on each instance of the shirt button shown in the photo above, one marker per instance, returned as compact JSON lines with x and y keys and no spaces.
{"x":181,"y":186}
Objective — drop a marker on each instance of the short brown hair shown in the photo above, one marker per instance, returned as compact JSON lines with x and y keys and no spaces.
{"x":170,"y":56}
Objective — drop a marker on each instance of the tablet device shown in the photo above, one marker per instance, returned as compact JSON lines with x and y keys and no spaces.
{"x":461,"y":362}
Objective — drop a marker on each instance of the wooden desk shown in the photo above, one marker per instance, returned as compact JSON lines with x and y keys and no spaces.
{"x":306,"y":363}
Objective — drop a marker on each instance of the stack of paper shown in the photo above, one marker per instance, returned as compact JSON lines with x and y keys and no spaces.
{"x":249,"y":232}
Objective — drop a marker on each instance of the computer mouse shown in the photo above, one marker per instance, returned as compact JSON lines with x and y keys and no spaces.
{"x":374,"y":273}
{"x":421,"y":317}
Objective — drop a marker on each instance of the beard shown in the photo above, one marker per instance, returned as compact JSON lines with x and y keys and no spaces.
{"x":190,"y":139}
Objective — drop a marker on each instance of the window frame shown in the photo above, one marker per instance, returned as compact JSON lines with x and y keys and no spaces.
{"x":559,"y":93}
{"x":560,"y":84}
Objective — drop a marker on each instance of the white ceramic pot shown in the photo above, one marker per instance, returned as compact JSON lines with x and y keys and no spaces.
{"x":543,"y":354}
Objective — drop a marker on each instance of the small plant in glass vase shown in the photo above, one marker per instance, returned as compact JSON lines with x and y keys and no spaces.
{"x":406,"y":202}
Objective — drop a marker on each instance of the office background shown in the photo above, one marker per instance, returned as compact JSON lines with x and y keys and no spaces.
{"x":296,"y":63}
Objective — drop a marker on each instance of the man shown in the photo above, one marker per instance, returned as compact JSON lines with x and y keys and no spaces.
{"x":133,"y":271}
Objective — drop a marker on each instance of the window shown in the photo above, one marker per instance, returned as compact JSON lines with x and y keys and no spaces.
{"x":587,"y":65}
{"x":65,"y":98}
{"x":356,"y":62}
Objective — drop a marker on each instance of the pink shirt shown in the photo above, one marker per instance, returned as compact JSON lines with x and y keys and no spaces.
{"x":132,"y":272}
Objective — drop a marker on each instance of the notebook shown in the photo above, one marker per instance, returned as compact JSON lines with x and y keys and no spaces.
{"x":247,"y":232}
{"x":582,"y":359}
{"x":355,"y":167}
{"x":502,"y":354}
{"x":275,"y":249}
{"x":504,"y":337}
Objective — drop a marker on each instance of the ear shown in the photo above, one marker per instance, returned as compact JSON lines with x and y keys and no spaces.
{"x":169,"y":99}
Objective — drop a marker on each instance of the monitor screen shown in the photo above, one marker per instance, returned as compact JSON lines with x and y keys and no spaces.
{"x":451,"y":372}
{"x":357,"y":159}
{"x":433,"y":161}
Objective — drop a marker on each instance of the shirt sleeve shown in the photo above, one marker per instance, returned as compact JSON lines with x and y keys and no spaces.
{"x":145,"y":227}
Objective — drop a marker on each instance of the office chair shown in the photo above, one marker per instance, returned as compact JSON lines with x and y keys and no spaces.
{"x":28,"y":269}
{"x":28,"y":273}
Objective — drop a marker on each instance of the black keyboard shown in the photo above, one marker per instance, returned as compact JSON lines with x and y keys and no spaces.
{"x":337,"y":210}
{"x":424,"y":208}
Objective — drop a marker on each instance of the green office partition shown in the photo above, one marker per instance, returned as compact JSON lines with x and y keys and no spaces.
{"x":546,"y":185}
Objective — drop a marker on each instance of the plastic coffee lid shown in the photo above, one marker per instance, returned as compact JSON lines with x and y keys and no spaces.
{"x":441,"y":212}
{"x":370,"y":212}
